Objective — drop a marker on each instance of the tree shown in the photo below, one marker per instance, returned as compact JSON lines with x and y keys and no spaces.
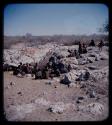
{"x":105,"y":27}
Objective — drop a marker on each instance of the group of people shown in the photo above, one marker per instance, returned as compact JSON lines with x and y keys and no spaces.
{"x":100,"y":44}
{"x":23,"y":69}
{"x":82,"y":48}
{"x":54,"y":67}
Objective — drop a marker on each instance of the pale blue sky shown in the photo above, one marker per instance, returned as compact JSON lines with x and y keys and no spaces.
{"x":51,"y":19}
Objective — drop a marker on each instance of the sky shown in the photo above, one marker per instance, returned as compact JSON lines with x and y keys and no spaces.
{"x":54,"y":19}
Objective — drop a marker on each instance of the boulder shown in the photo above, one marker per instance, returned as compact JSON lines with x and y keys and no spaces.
{"x":92,"y":67}
{"x":94,"y":108}
{"x":82,"y":62}
{"x":73,"y":66}
{"x":73,"y":85}
{"x":71,"y":60}
{"x":17,"y":113}
{"x":57,"y":108}
{"x":92,"y":55}
{"x":60,"y":107}
{"x":42,"y":101}
{"x":80,"y":99}
{"x":90,"y":59}
{"x":103,"y":56}
{"x":62,"y":53}
{"x":72,"y":75}
{"x":99,"y":74}
{"x":92,"y":94}
{"x":12,"y":83}
{"x":76,"y":75}
{"x":97,"y":57}
{"x":28,"y":75}
{"x":83,"y":75}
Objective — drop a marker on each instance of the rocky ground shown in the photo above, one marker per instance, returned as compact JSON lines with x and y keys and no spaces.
{"x":26,"y":99}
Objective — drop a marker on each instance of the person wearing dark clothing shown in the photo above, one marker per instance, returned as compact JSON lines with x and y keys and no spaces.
{"x":92,"y":43}
{"x":51,"y":59}
{"x":61,"y":67}
{"x":57,"y":72}
{"x":84,"y":48}
{"x":20,"y":66}
{"x":80,"y":48}
{"x":87,"y":75}
{"x":24,"y":68}
{"x":77,"y":54}
{"x":45,"y":73}
{"x":69,"y":67}
{"x":15,"y":72}
{"x":5,"y":67}
{"x":100,"y":45}
{"x":19,"y":69}
{"x":38,"y":74}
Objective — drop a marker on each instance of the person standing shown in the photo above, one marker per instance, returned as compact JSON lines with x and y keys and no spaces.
{"x":100,"y":45}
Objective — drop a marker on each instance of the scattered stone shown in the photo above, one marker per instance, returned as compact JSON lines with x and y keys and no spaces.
{"x":98,"y":74}
{"x":97,"y":58}
{"x":42,"y":101}
{"x":79,"y":101}
{"x":83,"y":86}
{"x":48,"y":83}
{"x":94,"y":108}
{"x":73,"y":66}
{"x":19,"y":93}
{"x":82,"y":62}
{"x":80,"y":98}
{"x":71,"y":60}
{"x":92,"y":67}
{"x":83,"y":76}
{"x":56,"y":79}
{"x":20,"y":75}
{"x":57,"y":108}
{"x":92,"y":55}
{"x":92,"y":94}
{"x":28,"y":75}
{"x":73,"y":85}
{"x":90,"y":59}
{"x":55,"y":86}
{"x":16,"y":113}
{"x":103,"y":56}
{"x":12,"y":83}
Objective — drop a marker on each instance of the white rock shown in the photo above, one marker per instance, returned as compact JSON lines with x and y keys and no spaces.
{"x":57,"y":108}
{"x":90,"y":59}
{"x":71,"y":60}
{"x":72,"y":75}
{"x":42,"y":101}
{"x":98,"y":74}
{"x":12,"y":83}
{"x":103,"y":56}
{"x":28,"y":75}
{"x":19,"y":75}
{"x":16,"y":113}
{"x":73,"y":66}
{"x":94,"y":108}
{"x":60,"y":107}
{"x":72,"y":85}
